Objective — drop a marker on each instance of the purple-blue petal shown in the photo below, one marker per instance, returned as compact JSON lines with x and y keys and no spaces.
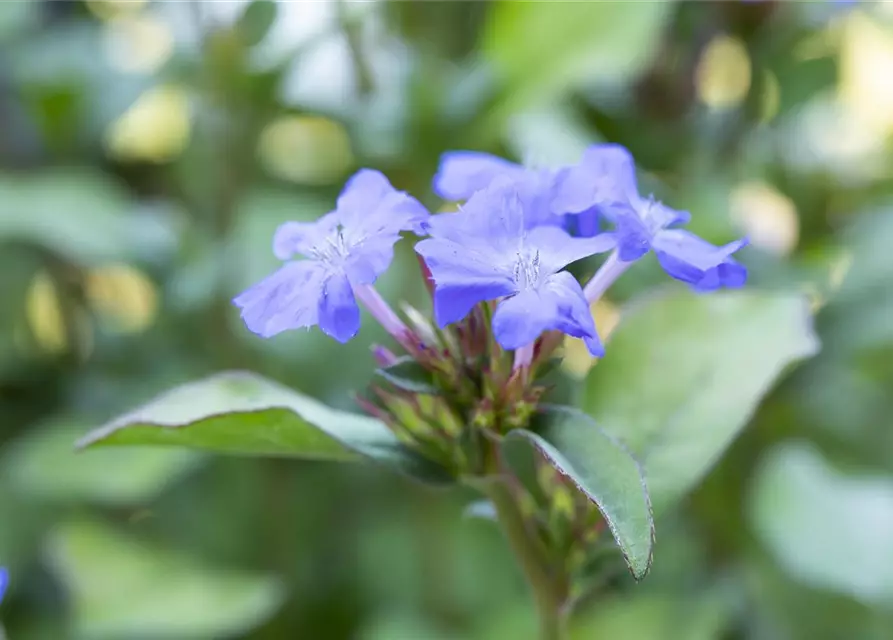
{"x":692,"y":260}
{"x":370,"y":259}
{"x":521,"y":319}
{"x":557,"y":248}
{"x":463,"y":277}
{"x":633,"y":236}
{"x":455,"y":300}
{"x":585,"y":224}
{"x":557,"y":303}
{"x":369,"y":206}
{"x":300,"y":237}
{"x":605,"y":176}
{"x":287,"y":299}
{"x":574,"y":316}
{"x":493,"y":219}
{"x":461,"y":173}
{"x":339,"y":315}
{"x":4,"y":581}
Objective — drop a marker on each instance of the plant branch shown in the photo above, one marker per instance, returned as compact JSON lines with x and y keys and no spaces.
{"x":550,"y":590}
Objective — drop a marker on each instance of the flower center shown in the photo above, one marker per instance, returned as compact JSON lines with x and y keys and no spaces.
{"x":526,"y":272}
{"x":334,"y":249}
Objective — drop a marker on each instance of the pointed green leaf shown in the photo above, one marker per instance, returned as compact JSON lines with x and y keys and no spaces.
{"x":684,"y":373}
{"x":409,"y":375}
{"x":827,"y":529}
{"x":242,"y":413}
{"x":542,"y":49}
{"x":256,"y":21}
{"x":42,"y":466}
{"x":600,"y":468}
{"x":122,"y":588}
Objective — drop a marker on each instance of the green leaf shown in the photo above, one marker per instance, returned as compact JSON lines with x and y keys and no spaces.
{"x":659,"y":616}
{"x":409,"y":375}
{"x":542,"y":49}
{"x":122,"y":588}
{"x":256,"y":21}
{"x":43,"y":465}
{"x":684,"y":373}
{"x":600,"y":468}
{"x":63,"y":209}
{"x":242,"y":413}
{"x":826,"y":528}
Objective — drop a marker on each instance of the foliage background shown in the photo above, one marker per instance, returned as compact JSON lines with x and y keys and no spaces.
{"x":149,"y":149}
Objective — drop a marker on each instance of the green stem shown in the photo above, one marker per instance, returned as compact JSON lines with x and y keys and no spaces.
{"x":549,"y":590}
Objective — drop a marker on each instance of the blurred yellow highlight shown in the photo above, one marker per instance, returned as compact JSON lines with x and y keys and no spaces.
{"x":43,"y":311}
{"x":123,"y":297}
{"x":138,"y":43}
{"x":840,"y":268}
{"x":156,"y":128}
{"x":770,"y":100}
{"x":306,"y":149}
{"x":723,"y":74}
{"x":766,"y":216}
{"x":866,"y":72}
{"x":577,"y":361}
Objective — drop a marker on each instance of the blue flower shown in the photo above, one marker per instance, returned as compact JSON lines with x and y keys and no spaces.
{"x":547,"y":194}
{"x":462,"y":173}
{"x":345,"y":250}
{"x":4,"y":581}
{"x":488,"y":251}
{"x":606,"y":180}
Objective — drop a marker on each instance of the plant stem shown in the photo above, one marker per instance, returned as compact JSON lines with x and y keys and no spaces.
{"x":549,"y":590}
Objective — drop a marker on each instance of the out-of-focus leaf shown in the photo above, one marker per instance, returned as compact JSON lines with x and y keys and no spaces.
{"x":401,"y":625}
{"x":657,"y":617}
{"x":826,"y":528}
{"x":23,"y":522}
{"x":684,"y":373}
{"x":256,"y":21}
{"x":600,"y":468}
{"x":543,"y":48}
{"x":44,"y":465}
{"x":79,"y":214}
{"x":242,"y":413}
{"x":17,"y":18}
{"x":122,"y":588}
{"x":73,"y":56}
{"x":409,"y":375}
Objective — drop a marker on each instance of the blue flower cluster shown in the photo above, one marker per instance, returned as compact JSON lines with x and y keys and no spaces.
{"x":510,"y":243}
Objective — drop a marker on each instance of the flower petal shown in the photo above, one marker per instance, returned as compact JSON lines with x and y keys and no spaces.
{"x":633,"y":236}
{"x":461,"y":173}
{"x":463,"y":277}
{"x":605,"y":176}
{"x":556,"y":304}
{"x":521,"y":319}
{"x":698,"y":263}
{"x":369,"y":206}
{"x":557,"y":248}
{"x":370,"y":259}
{"x":492,"y":219}
{"x":575,"y":318}
{"x":300,"y":237}
{"x":339,"y":315}
{"x":287,"y":299}
{"x":4,"y":581}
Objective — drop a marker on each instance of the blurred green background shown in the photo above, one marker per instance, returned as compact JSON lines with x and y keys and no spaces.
{"x":149,"y":149}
